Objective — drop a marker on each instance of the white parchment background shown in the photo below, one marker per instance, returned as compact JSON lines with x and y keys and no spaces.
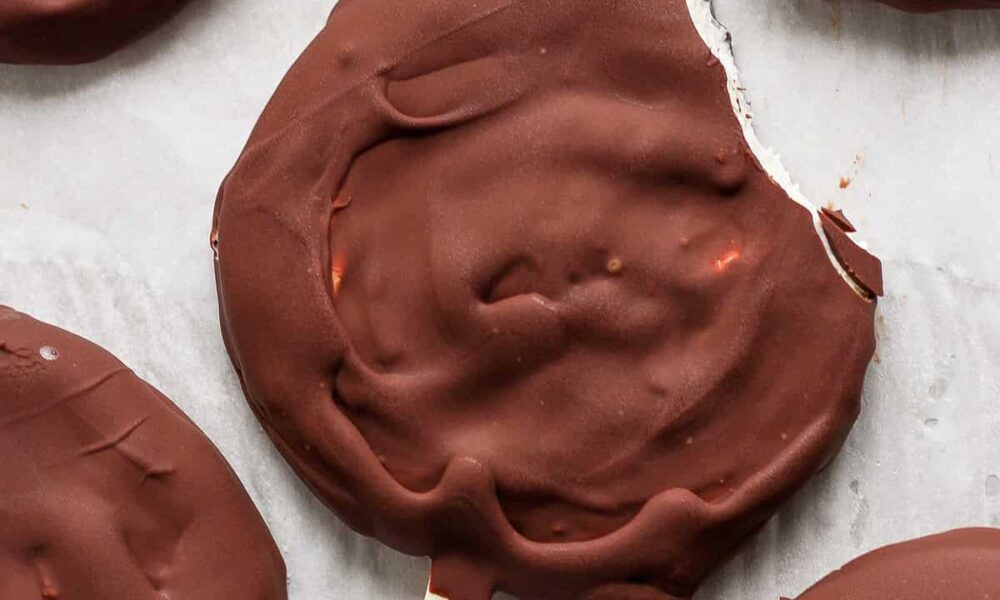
{"x":108,"y":175}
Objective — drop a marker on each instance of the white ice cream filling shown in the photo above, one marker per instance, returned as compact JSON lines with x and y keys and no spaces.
{"x":719,"y":42}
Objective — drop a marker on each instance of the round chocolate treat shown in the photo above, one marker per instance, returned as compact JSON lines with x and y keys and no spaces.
{"x":925,"y":6}
{"x":961,"y":564}
{"x":507,"y":287}
{"x":71,"y":32}
{"x":107,"y":491}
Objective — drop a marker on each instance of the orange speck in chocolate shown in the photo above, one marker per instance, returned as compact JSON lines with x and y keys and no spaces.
{"x":337,"y":273}
{"x":48,"y":590}
{"x":214,"y":242}
{"x":614,"y":266}
{"x":722,"y":263}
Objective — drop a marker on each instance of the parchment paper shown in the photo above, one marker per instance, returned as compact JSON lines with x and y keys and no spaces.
{"x":108,"y":176}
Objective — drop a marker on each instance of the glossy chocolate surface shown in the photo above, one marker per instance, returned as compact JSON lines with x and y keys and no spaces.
{"x":107,"y":491}
{"x":960,"y":564}
{"x":69,"y":32}
{"x":507,"y":288}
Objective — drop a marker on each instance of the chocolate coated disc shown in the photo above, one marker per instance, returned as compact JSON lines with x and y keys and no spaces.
{"x":107,"y":491}
{"x":960,"y":564}
{"x":74,"y":31}
{"x":507,"y":287}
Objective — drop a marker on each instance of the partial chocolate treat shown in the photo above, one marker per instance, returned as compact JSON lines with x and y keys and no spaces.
{"x":864,"y":269}
{"x":507,"y":287}
{"x":926,"y":6}
{"x":960,"y":564}
{"x":107,"y":491}
{"x":72,"y":32}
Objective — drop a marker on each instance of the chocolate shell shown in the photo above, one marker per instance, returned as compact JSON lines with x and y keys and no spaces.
{"x":507,"y":287}
{"x":70,"y":32}
{"x":959,"y":564}
{"x":107,"y":491}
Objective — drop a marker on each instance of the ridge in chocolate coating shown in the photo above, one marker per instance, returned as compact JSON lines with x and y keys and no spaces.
{"x":506,"y":286}
{"x":962,"y":564}
{"x":70,"y":32}
{"x":107,"y":491}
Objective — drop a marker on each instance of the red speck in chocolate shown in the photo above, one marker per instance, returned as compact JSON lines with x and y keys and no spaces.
{"x":722,"y":263}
